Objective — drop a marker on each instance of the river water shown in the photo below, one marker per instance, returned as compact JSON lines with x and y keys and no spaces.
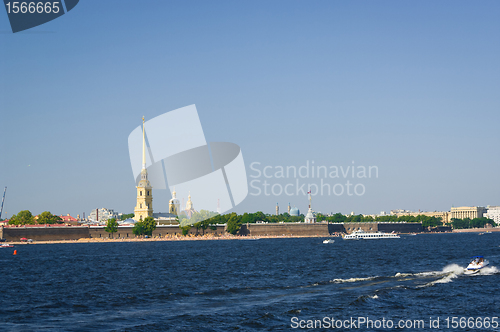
{"x":252,"y":285}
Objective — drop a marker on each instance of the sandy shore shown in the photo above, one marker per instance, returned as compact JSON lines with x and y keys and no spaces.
{"x":223,"y":237}
{"x":171,"y":238}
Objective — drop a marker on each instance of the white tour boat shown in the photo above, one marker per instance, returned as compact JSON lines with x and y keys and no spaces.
{"x":329,"y":241}
{"x":362,"y":235}
{"x":476,"y":264}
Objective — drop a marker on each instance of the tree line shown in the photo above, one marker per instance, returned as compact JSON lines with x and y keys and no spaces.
{"x":340,"y":218}
{"x":471,"y":223}
{"x":25,"y":217}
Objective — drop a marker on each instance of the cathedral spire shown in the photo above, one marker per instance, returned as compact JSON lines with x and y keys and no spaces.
{"x":143,"y":145}
{"x":144,"y":207}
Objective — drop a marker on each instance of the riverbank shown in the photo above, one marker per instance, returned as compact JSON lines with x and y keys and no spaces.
{"x":168,"y":238}
{"x":476,"y":230}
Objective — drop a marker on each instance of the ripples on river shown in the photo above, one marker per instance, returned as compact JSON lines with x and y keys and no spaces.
{"x":248,"y":285}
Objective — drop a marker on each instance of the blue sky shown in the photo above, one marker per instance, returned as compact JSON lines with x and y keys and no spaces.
{"x":409,"y":87}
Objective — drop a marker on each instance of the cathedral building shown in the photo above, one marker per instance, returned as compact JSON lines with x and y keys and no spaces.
{"x":174,"y":205}
{"x":144,"y":206}
{"x":189,"y":208}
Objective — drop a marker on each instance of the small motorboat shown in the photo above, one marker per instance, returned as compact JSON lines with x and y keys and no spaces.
{"x":476,"y":264}
{"x":6,"y":245}
{"x":329,"y":241}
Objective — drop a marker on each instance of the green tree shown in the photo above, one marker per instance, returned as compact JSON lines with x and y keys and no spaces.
{"x":481,"y":222}
{"x":48,"y":218}
{"x":22,"y":218}
{"x":320,"y":217}
{"x":204,"y":224}
{"x":185,"y":229}
{"x":127,"y":216}
{"x":111,"y":226}
{"x":196,"y":217}
{"x":183,"y":219}
{"x":149,"y":226}
{"x":460,"y":223}
{"x":233,"y":224}
{"x":355,"y":218}
{"x":338,"y":218}
{"x":138,"y":228}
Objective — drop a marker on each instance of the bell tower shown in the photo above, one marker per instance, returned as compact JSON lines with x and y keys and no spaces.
{"x":144,"y":207}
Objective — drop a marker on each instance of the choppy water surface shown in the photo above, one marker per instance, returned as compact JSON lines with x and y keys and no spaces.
{"x":246,"y":284}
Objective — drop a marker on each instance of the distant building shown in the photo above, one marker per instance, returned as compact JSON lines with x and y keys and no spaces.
{"x":310,"y":216}
{"x":470,"y":212}
{"x":165,"y":218}
{"x":189,"y":208}
{"x":294,"y":212}
{"x":174,"y":205}
{"x":67,"y":219}
{"x":103,"y":215}
{"x":129,"y":221}
{"x":493,"y":213}
{"x":400,"y":212}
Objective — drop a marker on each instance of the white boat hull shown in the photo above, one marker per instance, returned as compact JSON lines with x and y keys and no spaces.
{"x":362,"y":235}
{"x":475,"y":267}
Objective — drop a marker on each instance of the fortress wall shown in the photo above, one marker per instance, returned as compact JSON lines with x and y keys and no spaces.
{"x":123,"y":232}
{"x":336,"y":228}
{"x":411,"y":227}
{"x":441,"y":229}
{"x":387,"y":227}
{"x":300,"y":229}
{"x":365,"y":226}
{"x":160,"y":231}
{"x":52,"y":233}
{"x":175,"y":230}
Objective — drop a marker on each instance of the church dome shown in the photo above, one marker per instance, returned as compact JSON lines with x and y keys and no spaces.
{"x":294,"y":212}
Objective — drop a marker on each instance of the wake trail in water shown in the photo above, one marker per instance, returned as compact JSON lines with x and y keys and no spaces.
{"x":489,"y":270}
{"x":341,"y":281}
{"x":446,"y":275}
